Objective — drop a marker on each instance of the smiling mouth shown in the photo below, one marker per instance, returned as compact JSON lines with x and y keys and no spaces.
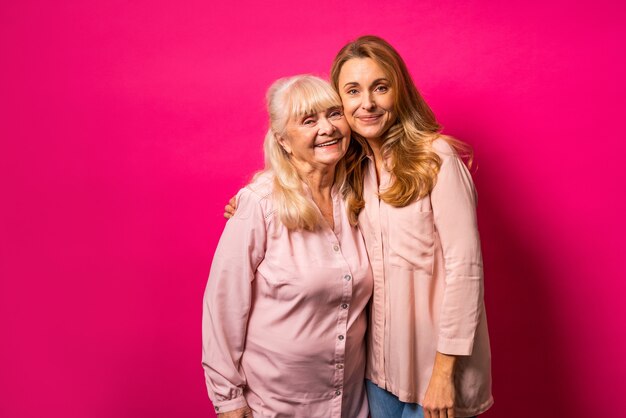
{"x":329,"y":143}
{"x":369,"y":118}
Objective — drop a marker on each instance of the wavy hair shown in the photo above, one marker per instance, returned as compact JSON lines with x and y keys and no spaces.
{"x":290,"y":98}
{"x":407,"y":143}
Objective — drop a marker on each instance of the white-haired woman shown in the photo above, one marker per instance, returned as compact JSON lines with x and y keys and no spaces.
{"x":284,"y":309}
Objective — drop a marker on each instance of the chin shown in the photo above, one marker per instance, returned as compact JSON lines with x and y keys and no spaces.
{"x":370,"y":132}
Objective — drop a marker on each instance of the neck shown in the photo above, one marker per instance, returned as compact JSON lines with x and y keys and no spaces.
{"x":376,"y":145}
{"x":319,"y":179}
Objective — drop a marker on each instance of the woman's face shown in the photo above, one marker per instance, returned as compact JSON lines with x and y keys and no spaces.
{"x":367,"y":96}
{"x":317,"y":141}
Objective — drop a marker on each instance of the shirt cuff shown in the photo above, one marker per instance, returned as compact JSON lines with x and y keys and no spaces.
{"x":230,"y":404}
{"x":455,"y":346}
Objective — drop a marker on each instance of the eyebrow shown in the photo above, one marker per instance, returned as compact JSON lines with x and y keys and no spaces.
{"x":354,"y":83}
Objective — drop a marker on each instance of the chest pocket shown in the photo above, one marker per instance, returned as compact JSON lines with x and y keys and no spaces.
{"x":412,"y":237}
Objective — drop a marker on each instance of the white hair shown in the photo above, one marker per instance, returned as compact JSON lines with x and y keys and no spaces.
{"x":290,"y":98}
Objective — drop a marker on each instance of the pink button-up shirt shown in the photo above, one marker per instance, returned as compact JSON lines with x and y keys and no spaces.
{"x":428,"y":287}
{"x":284,"y":314}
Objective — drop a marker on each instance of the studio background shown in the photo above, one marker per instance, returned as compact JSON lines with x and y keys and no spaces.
{"x":125,"y":126}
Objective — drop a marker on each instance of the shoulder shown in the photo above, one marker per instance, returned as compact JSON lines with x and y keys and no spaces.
{"x":453,"y":174}
{"x":261,"y":186}
{"x":256,"y":197}
{"x":442,"y":146}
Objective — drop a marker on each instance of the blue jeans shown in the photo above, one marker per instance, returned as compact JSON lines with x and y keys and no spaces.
{"x":385,"y":404}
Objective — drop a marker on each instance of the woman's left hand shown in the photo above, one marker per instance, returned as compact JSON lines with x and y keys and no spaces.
{"x":439,"y":399}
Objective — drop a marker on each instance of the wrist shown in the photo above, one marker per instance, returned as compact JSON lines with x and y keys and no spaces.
{"x":444,"y":365}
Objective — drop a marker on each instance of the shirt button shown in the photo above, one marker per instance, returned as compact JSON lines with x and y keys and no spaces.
{"x":337,"y":392}
{"x":336,"y":247}
{"x":344,"y":306}
{"x":347,"y":277}
{"x":217,"y":408}
{"x":341,"y":337}
{"x":339,"y":366}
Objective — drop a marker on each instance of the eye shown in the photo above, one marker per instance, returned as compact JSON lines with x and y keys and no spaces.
{"x":335,"y":114}
{"x":308,"y":121}
{"x":382,"y":88}
{"x":352,"y":92}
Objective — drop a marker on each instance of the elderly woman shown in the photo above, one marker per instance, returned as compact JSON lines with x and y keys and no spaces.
{"x":415,"y":203}
{"x":284,"y":309}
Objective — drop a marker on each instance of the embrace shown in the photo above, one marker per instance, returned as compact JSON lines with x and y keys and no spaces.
{"x":349,"y":280}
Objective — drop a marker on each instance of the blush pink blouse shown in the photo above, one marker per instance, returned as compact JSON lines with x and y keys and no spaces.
{"x":428,"y":287}
{"x":284,"y":318}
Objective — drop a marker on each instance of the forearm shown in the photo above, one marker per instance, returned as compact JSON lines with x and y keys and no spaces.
{"x":244,"y":412}
{"x":444,"y":365}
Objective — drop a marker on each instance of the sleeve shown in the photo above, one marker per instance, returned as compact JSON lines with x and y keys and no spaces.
{"x":453,"y":201}
{"x":227,"y":301}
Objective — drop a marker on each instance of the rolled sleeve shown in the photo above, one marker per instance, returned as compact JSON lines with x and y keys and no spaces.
{"x":454,"y":206}
{"x":230,"y":405}
{"x":227,"y":301}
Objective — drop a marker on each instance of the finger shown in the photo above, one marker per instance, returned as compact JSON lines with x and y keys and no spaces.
{"x":451,"y":413}
{"x":435,"y":413}
{"x":233,"y":201}
{"x":230,"y":209}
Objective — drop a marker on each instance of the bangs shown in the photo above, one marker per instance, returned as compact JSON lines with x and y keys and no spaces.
{"x":310,"y":95}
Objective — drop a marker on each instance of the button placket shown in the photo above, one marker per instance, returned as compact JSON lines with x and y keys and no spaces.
{"x":373,"y":217}
{"x":346,"y":289}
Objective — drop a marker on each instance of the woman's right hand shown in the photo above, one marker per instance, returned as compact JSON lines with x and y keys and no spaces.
{"x":229,"y":210}
{"x":244,"y":412}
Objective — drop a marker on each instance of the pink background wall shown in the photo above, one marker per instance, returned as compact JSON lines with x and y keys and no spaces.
{"x":125,"y":126}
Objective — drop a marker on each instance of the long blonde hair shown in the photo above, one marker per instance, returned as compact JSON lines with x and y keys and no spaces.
{"x":290,"y":98}
{"x":407,"y":143}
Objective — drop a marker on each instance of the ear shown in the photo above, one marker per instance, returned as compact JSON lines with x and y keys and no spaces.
{"x":283,"y":143}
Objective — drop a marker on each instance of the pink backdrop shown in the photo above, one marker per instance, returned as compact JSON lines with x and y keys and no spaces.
{"x":125,"y":126}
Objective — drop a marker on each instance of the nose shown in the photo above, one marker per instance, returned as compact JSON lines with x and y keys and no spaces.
{"x":326,"y":127}
{"x":368,"y":101}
